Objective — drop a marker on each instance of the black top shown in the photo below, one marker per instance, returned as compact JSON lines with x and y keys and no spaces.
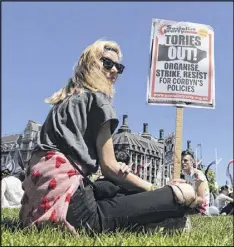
{"x":72,"y":126}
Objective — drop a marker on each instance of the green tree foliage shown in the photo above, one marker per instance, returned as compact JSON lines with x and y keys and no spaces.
{"x":212,"y":181}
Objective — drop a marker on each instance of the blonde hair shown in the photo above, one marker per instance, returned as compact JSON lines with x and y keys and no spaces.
{"x":88,"y":73}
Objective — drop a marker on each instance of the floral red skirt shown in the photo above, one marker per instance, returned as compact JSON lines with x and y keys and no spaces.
{"x":50,"y":182}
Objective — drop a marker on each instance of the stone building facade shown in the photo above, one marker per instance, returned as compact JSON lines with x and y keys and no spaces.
{"x":25,"y":142}
{"x":8,"y":144}
{"x":28,"y":139}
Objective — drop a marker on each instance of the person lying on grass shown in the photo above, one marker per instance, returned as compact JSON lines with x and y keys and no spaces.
{"x":75,"y":139}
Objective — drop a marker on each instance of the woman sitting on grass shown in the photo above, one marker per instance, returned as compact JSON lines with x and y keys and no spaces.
{"x":75,"y":139}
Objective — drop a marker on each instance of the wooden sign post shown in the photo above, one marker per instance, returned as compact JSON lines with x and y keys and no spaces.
{"x":178,"y":142}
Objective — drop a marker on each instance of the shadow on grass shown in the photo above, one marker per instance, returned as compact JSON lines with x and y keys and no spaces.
{"x":10,"y":224}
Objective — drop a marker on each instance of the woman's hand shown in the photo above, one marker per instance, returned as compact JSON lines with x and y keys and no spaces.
{"x":111,"y":168}
{"x":124,"y":168}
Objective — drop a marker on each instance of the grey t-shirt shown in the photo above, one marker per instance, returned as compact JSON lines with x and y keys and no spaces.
{"x":221,"y":201}
{"x":72,"y":127}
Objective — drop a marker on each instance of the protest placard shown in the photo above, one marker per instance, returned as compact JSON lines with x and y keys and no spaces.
{"x":181,"y":69}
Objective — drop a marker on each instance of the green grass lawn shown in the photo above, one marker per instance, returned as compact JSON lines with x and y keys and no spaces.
{"x":206,"y":231}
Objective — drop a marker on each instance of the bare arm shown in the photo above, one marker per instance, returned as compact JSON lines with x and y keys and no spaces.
{"x":229,"y":199}
{"x":201,"y":188}
{"x":177,"y":180}
{"x":110,"y":167}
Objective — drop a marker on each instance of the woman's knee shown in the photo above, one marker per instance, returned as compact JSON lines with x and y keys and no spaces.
{"x":184,"y":194}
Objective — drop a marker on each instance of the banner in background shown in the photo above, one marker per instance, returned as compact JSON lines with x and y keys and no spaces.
{"x":169,"y":153}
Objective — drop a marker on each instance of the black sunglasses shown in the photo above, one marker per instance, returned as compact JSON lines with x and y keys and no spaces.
{"x":108,"y":64}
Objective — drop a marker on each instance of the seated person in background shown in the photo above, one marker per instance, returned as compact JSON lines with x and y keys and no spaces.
{"x":229,"y":209}
{"x":197,"y":179}
{"x":222,"y":199}
{"x":11,"y":189}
